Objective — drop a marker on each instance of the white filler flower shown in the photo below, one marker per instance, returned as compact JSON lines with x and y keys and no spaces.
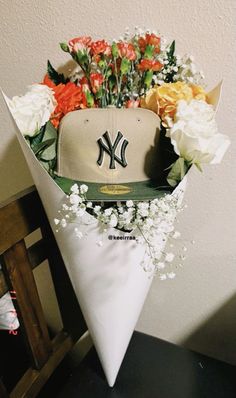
{"x":194,"y":134}
{"x":32,"y":110}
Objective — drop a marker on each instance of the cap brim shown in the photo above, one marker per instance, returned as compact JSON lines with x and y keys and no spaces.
{"x":142,"y":190}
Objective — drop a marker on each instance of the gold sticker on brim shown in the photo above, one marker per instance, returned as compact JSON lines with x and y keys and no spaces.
{"x":115,"y":189}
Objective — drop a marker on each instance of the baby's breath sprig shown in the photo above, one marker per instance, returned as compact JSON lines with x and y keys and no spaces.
{"x":151,"y":220}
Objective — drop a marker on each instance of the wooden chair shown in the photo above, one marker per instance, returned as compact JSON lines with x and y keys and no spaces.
{"x":152,"y":368}
{"x":19,"y":217}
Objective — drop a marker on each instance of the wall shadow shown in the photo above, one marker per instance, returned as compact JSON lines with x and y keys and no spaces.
{"x":14,"y":172}
{"x":216,"y":337}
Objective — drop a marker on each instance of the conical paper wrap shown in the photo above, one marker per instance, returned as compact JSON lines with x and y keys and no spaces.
{"x":109,"y":281}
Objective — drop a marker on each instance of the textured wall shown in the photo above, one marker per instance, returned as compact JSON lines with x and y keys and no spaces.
{"x":199,"y":307}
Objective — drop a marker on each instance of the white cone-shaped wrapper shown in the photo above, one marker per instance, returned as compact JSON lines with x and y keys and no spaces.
{"x":109,"y":281}
{"x":214,"y":95}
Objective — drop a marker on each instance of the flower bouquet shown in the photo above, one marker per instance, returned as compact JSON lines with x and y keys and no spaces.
{"x":109,"y":147}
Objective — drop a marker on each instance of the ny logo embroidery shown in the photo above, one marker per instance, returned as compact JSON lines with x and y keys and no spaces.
{"x":111,"y":150}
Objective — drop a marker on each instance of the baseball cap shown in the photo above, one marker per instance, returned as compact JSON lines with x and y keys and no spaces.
{"x":115,"y":152}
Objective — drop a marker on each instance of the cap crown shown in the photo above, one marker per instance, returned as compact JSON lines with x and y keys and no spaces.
{"x":109,"y":145}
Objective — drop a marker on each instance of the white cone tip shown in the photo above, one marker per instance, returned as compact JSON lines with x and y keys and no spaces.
{"x":214,"y":95}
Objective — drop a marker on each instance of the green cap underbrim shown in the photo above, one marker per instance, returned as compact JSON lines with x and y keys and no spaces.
{"x":142,"y":190}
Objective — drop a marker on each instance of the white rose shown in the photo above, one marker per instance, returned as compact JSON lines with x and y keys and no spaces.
{"x":32,"y":110}
{"x":194,"y":134}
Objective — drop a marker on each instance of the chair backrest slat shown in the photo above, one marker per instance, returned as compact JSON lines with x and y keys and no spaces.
{"x":37,"y":253}
{"x":3,"y":284}
{"x":16,"y":221}
{"x":19,"y":217}
{"x":22,"y":283}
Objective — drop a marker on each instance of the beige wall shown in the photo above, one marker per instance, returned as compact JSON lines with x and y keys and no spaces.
{"x":197,"y":309}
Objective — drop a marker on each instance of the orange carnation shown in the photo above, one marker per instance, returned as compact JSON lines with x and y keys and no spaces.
{"x":96,"y":80}
{"x":149,"y":40}
{"x":132,"y":103}
{"x":79,"y":44}
{"x":48,"y":82}
{"x":69,"y":97}
{"x":126,"y":50}
{"x":148,"y":64}
{"x":100,"y":47}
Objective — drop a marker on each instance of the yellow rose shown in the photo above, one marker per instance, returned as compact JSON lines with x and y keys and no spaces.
{"x":163,"y":99}
{"x":198,"y":93}
{"x":150,"y":101}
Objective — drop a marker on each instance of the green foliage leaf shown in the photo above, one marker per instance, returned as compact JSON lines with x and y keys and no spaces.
{"x":114,"y":50}
{"x":82,"y":58}
{"x":90,"y":99}
{"x":50,"y":134}
{"x":148,"y":78}
{"x":42,"y":146}
{"x":49,"y":166}
{"x":198,"y":166}
{"x":171,"y":50}
{"x":99,"y":93}
{"x":56,"y":77}
{"x":125,"y":66}
{"x":102,"y":63}
{"x":149,"y":50}
{"x":64,"y":183}
{"x":45,"y":165}
{"x":35,"y":140}
{"x":108,"y":73}
{"x":177,"y":172}
{"x":64,"y":47}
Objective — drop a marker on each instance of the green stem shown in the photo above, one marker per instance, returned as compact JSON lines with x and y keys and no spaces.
{"x":132,"y":81}
{"x":146,"y":240}
{"x":117,"y":82}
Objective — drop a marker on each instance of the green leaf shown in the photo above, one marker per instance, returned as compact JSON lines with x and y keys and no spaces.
{"x":50,"y":134}
{"x":64,"y":47}
{"x":82,"y":58}
{"x":148,"y":78}
{"x":37,"y":138}
{"x":125,"y":66}
{"x":99,"y":93}
{"x":149,"y":52}
{"x":43,"y":145}
{"x":49,"y":166}
{"x":108,"y":73}
{"x":114,"y":50}
{"x":198,"y":166}
{"x":52,"y":164}
{"x":45,"y":165}
{"x":90,"y":99}
{"x":56,"y":77}
{"x":64,"y":183}
{"x":102,"y":63}
{"x":171,"y":50}
{"x":111,"y":83}
{"x":177,"y":172}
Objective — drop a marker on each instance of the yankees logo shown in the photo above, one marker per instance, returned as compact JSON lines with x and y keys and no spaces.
{"x":110,"y":149}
